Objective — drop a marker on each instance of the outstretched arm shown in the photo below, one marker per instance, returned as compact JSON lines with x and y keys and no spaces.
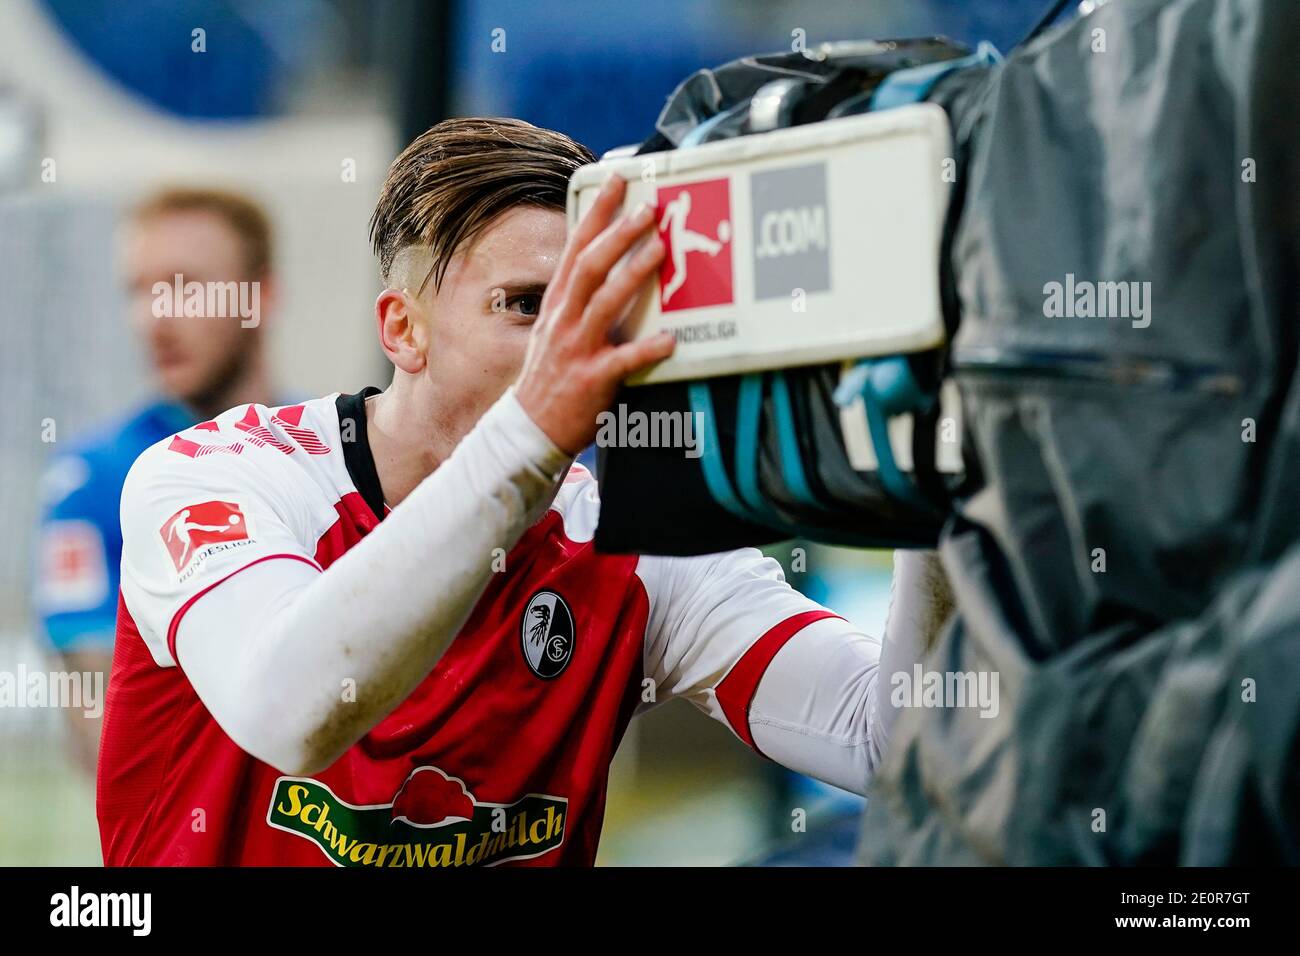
{"x":268,"y":639}
{"x":794,"y":681}
{"x":271,"y":649}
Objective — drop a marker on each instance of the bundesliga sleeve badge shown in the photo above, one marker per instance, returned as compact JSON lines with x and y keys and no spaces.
{"x":196,"y":531}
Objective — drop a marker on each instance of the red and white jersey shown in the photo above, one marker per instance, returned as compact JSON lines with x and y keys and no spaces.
{"x":501,"y":753}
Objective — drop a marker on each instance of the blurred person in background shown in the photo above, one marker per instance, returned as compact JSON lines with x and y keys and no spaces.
{"x":201,"y":364}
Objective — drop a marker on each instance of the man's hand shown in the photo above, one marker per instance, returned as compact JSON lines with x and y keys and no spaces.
{"x":572,"y":369}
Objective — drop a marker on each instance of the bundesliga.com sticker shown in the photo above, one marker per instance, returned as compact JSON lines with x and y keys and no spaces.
{"x":791,"y":231}
{"x":760,"y":272}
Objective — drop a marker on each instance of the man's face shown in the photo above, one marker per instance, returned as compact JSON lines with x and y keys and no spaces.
{"x":474,"y":329}
{"x":194,"y":358}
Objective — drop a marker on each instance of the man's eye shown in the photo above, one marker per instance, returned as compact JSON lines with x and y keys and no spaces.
{"x":529,"y":304}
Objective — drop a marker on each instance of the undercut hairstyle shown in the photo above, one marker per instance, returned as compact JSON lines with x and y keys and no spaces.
{"x":453,"y":181}
{"x":245,"y":217}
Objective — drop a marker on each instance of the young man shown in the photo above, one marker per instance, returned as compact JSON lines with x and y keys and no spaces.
{"x":201,"y":365}
{"x":372,"y":629}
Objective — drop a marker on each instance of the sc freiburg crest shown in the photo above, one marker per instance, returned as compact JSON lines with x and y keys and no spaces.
{"x":546,"y":634}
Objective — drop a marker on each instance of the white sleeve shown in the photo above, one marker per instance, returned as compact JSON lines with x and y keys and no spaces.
{"x":190,"y":519}
{"x":271,"y":649}
{"x":797,"y":683}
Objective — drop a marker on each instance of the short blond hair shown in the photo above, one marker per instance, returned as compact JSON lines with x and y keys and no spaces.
{"x":245,"y":217}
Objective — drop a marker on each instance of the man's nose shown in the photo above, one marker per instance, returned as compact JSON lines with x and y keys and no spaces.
{"x":159,"y":330}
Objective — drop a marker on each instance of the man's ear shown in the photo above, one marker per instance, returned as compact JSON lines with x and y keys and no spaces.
{"x":396,"y":312}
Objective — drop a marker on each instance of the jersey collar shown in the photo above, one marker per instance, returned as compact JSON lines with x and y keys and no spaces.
{"x":357,"y":457}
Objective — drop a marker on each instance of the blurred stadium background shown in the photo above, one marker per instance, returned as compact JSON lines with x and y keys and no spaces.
{"x":287,"y":99}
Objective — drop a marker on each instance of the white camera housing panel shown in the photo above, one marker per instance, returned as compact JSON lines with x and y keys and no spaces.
{"x":798,"y":246}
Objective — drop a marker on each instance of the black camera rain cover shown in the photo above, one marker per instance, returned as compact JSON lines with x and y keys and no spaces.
{"x":1127,"y":563}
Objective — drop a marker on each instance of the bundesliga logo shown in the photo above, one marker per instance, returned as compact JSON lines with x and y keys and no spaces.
{"x":192,"y":529}
{"x":790,"y":241}
{"x":695,"y":226}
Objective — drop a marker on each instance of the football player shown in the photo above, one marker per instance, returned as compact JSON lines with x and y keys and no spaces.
{"x":371,"y":629}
